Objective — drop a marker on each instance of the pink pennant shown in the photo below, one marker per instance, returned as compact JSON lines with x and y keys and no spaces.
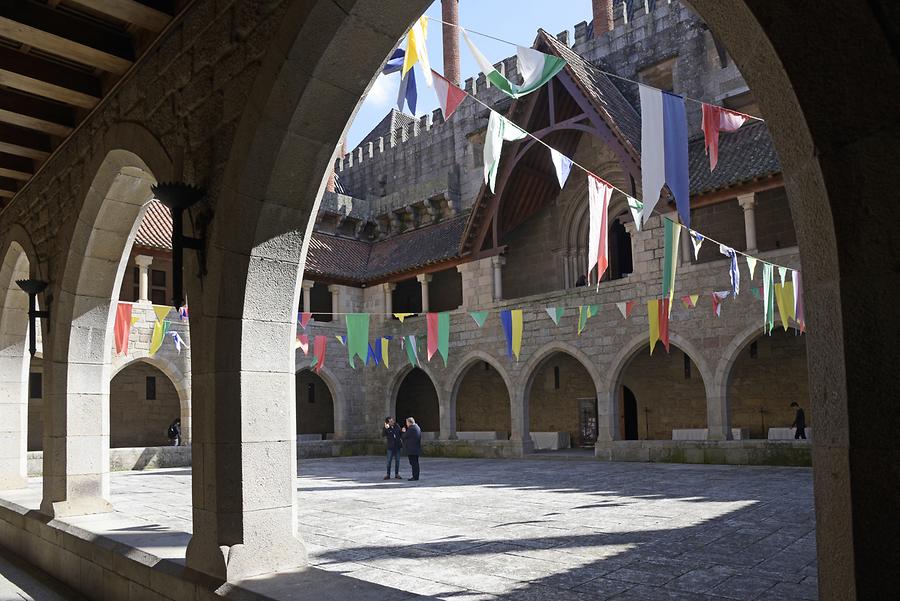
{"x":122,"y":327}
{"x":319,"y":344}
{"x":303,"y":343}
{"x":304,"y":319}
{"x":716,"y":119}
{"x":717,"y":298}
{"x":432,"y":324}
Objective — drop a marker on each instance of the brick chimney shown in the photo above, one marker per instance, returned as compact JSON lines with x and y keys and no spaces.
{"x":603,"y":16}
{"x":450,"y":14}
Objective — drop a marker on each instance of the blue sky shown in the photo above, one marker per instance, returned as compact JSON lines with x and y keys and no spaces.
{"x":514,"y":20}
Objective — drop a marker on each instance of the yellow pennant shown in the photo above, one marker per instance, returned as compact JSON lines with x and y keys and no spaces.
{"x":402,"y":316}
{"x":653,"y":316}
{"x":159,"y":328}
{"x":784,"y":298}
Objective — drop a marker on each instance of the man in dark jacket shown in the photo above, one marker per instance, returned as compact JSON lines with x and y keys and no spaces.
{"x":393,"y":443}
{"x":412,"y":442}
{"x":174,"y":432}
{"x":799,"y":422}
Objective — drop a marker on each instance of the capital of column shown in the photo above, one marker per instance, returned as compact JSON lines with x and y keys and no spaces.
{"x":143,"y":261}
{"x":498,"y":261}
{"x":424,"y":278}
{"x":389,"y":286}
{"x":630,"y":227}
{"x":334,"y":289}
{"x":747,"y":201}
{"x":307,"y":284}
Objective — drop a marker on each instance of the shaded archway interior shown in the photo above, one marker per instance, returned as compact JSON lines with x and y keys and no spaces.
{"x":482,"y":401}
{"x":418,"y":398}
{"x":315,"y":406}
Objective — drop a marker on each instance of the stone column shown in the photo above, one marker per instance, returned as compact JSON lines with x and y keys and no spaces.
{"x":608,"y":416}
{"x":14,"y":368}
{"x":520,"y":421}
{"x":143,"y":262}
{"x":748,"y":203}
{"x":497,"y":263}
{"x":718,"y":413}
{"x":335,"y":300}
{"x":424,"y":278}
{"x":307,"y":293}
{"x":567,"y":279}
{"x":389,"y":297}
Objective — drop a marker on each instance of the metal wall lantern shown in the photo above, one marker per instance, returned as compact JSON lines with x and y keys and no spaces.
{"x":32,"y":288}
{"x":179,"y":197}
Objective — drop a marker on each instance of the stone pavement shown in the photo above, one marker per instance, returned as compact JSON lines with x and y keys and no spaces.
{"x":527,"y":529}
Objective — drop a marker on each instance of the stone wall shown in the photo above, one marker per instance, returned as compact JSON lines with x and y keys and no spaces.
{"x":483,"y":401}
{"x":316,"y":417}
{"x":532,"y":263}
{"x":135,"y":420}
{"x":556,"y":409}
{"x":666,"y":399}
{"x":770,"y":381}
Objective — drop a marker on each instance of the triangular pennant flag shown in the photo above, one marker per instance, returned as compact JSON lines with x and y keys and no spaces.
{"x":183,"y":311}
{"x":438,"y":334}
{"x":696,"y":241}
{"x":799,"y":316}
{"x":782,"y":273}
{"x":407,"y":92}
{"x":635,"y":206}
{"x":768,"y":276}
{"x":664,"y":151}
{"x":716,"y":119}
{"x":784,"y":298}
{"x":733,"y":272}
{"x":372,"y":356}
{"x":431,"y":320}
{"x":448,"y":94}
{"x":562,"y":164}
{"x":402,"y":316}
{"x":499,"y":129}
{"x":584,"y":314}
{"x":625,"y":308}
{"x":159,"y":329}
{"x":664,"y":323}
{"x":122,"y":327}
{"x":479,"y":317}
{"x":319,"y":345}
{"x":653,"y":318}
{"x":304,"y":319}
{"x":412,"y":351}
{"x":416,"y":49}
{"x":357,"y":336}
{"x":302,"y":343}
{"x":751,"y":265}
{"x":689,"y":301}
{"x":599,"y":193}
{"x":670,"y":260}
{"x":381,"y":349}
{"x":555,"y":313}
{"x":342,"y":339}
{"x":134,"y":320}
{"x":179,"y":341}
{"x":717,"y":299}
{"x":512,"y":329}
{"x":535,"y":67}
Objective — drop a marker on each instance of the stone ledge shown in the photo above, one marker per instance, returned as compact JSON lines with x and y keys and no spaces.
{"x":730,"y":452}
{"x":128,"y":459}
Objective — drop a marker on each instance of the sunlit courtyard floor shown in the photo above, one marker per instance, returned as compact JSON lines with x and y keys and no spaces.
{"x":524,"y":529}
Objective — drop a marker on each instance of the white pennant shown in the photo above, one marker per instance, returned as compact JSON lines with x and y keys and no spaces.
{"x":751,"y":265}
{"x":623,"y":308}
{"x":696,"y":242}
{"x":782,"y":272}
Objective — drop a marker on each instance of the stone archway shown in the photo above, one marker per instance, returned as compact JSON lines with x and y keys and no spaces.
{"x":570,"y":382}
{"x":14,"y":363}
{"x":696,"y":391}
{"x":316,"y":405}
{"x":78,"y":363}
{"x":468,"y":411}
{"x":140,"y":413}
{"x":417,"y":396}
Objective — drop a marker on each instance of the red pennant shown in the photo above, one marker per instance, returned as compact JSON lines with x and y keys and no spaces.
{"x":432,"y":323}
{"x":319,"y":352}
{"x":303,"y":343}
{"x":304,"y":319}
{"x":122,"y":327}
{"x":629,"y":305}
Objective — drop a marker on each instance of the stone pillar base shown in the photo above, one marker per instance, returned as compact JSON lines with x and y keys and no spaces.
{"x":282,"y":552}
{"x":521,"y":448}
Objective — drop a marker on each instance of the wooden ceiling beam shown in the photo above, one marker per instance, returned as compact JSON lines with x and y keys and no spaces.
{"x":62,"y":47}
{"x":35,"y":113}
{"x":47,"y":90}
{"x":27,"y":73}
{"x":15,"y":167}
{"x":66,"y":34}
{"x":129,"y":11}
{"x":8,"y":187}
{"x":24,"y":143}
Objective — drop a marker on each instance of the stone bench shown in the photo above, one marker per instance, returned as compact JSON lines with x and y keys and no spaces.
{"x":550,"y":441}
{"x":309,"y":437}
{"x":481,"y":435}
{"x":787,"y":433}
{"x":703,"y":433}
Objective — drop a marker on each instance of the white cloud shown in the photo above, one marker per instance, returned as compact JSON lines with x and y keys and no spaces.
{"x":380,"y":93}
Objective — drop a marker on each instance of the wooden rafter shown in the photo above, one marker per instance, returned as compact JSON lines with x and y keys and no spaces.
{"x":129,"y":11}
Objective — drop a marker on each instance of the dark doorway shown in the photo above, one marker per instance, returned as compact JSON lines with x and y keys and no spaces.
{"x":630,"y":413}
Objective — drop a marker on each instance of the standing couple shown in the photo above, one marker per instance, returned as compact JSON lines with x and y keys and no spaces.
{"x":397,"y":438}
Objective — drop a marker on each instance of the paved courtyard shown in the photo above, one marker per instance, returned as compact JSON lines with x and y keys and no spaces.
{"x":529,"y":529}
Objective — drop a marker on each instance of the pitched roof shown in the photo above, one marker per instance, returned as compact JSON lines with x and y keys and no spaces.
{"x":355,"y":261}
{"x":744,"y":155}
{"x":155,"y":230}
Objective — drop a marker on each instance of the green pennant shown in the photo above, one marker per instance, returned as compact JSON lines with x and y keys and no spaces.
{"x":444,"y":335}
{"x":670,"y":259}
{"x":585,"y":312}
{"x":412,"y":352}
{"x":357,"y":336}
{"x":555,"y":313}
{"x":479,"y":317}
